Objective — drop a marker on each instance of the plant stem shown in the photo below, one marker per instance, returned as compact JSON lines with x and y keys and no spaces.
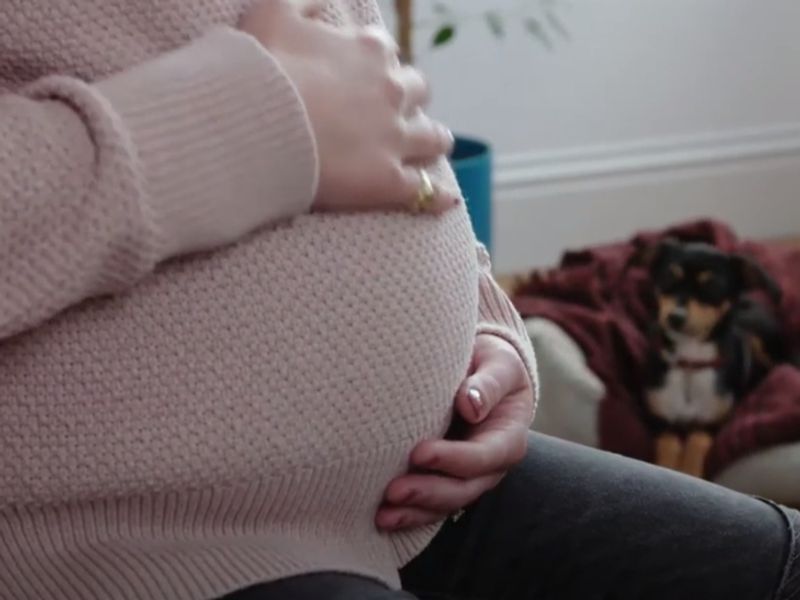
{"x":405,"y":29}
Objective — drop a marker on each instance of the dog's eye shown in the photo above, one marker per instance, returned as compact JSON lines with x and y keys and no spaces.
{"x":676,"y":271}
{"x":705,"y":277}
{"x":711,"y":290}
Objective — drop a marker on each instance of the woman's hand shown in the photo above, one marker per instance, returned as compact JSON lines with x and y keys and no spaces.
{"x":365,"y":107}
{"x":496,"y":401}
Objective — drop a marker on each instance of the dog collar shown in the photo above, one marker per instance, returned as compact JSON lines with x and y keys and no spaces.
{"x":698,"y":365}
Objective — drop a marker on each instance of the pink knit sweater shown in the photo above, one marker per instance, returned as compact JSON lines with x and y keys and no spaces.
{"x":180,"y":429}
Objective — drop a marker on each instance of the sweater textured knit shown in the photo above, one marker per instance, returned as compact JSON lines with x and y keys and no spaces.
{"x":177,"y":423}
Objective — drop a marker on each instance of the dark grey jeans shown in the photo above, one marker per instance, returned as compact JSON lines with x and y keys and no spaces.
{"x":575,"y":523}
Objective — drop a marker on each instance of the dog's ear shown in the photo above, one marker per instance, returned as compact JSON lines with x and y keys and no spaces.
{"x":651,"y":256}
{"x":751,"y":275}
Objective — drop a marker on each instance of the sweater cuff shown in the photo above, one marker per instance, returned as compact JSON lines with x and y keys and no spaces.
{"x":497,"y":316}
{"x":223,"y":140}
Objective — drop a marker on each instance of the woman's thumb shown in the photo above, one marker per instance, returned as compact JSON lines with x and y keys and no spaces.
{"x":478,"y":395}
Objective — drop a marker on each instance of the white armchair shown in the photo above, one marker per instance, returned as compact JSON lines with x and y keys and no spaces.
{"x":570,"y":396}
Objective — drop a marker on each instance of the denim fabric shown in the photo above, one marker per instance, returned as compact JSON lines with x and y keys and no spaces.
{"x":790,"y":583}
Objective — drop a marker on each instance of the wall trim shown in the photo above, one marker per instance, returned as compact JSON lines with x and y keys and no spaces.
{"x":548,"y":202}
{"x":535,"y":168}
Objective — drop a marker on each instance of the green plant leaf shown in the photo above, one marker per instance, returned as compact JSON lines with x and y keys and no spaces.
{"x":444,"y":35}
{"x":536,"y":29}
{"x":495,"y":22}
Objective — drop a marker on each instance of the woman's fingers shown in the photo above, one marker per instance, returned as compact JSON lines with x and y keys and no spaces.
{"x":439,"y":493}
{"x":364,"y":109}
{"x":425,"y":140}
{"x":494,"y":450}
{"x":417,"y":91}
{"x":377,"y":39}
{"x":393,"y":518}
{"x":498,"y":373}
{"x":412,"y":188}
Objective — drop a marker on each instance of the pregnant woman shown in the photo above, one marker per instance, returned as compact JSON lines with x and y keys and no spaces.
{"x":248,"y":347}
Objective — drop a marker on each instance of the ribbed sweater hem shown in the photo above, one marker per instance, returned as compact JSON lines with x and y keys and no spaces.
{"x":199,"y":544}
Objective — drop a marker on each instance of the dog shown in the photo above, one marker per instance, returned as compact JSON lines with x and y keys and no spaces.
{"x":711,"y":344}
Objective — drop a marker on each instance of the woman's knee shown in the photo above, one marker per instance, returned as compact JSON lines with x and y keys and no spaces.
{"x":789,"y":587}
{"x":680,"y":523}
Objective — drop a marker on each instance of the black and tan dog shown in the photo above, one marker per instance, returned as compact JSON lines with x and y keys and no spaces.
{"x":711,"y":344}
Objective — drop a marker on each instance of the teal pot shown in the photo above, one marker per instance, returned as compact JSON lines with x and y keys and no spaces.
{"x":472,"y":163}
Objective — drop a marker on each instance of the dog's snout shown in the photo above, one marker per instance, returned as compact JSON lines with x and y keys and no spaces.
{"x":677,"y":319}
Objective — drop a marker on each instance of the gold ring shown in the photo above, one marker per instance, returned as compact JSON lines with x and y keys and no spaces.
{"x":426,"y":193}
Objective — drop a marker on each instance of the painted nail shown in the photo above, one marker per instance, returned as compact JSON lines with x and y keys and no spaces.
{"x":476,"y":400}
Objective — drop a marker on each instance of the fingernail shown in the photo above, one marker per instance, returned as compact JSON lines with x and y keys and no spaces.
{"x":476,"y":400}
{"x":449,"y":138}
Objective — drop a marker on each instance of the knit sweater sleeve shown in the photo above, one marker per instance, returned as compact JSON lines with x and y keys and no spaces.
{"x":497,"y":316}
{"x":101,"y":181}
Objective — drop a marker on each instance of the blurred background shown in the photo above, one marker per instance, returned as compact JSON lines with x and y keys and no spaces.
{"x":621,"y":115}
{"x":609,"y":125}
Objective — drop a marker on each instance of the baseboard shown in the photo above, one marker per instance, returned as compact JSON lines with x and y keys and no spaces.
{"x":547,"y":202}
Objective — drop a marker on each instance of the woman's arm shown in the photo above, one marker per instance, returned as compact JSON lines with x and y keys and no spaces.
{"x":497,"y":316}
{"x":196,"y":148}
{"x":100,"y":182}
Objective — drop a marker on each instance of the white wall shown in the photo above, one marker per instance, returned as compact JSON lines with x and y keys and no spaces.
{"x":653,"y":112}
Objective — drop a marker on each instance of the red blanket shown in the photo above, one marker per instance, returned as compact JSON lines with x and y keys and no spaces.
{"x":607,"y":307}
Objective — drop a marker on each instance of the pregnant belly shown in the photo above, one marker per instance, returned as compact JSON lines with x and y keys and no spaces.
{"x":334,"y":337}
